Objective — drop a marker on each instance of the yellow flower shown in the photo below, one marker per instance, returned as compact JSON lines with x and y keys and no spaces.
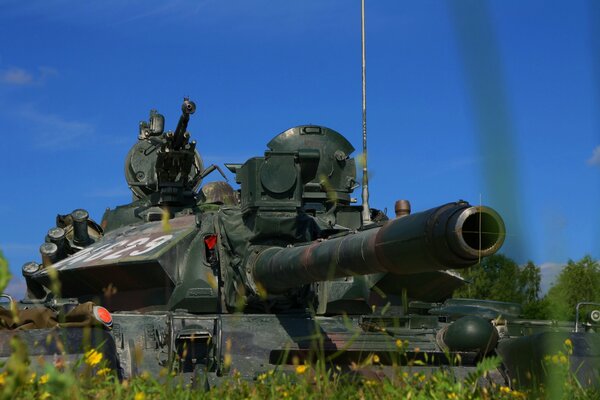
{"x":555,"y":359}
{"x":504,"y":389}
{"x":375,"y":358}
{"x":563,"y":359}
{"x":452,"y":396}
{"x":568,"y":342}
{"x":422,"y":378}
{"x":518,"y":394}
{"x":32,"y":377}
{"x":300,"y":369}
{"x":44,"y":379}
{"x":103,"y":371}
{"x":44,"y":396}
{"x":262,"y":377}
{"x":139,"y":396}
{"x":165,"y":222}
{"x":93,"y":357}
{"x":227,"y":357}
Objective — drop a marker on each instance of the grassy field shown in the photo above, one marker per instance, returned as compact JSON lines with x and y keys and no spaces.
{"x":89,"y":379}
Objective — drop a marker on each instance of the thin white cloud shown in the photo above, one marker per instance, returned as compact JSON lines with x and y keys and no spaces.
{"x":52,"y":131}
{"x":595,"y":159}
{"x":46,"y":72}
{"x":16,"y":76}
{"x":114,"y":13}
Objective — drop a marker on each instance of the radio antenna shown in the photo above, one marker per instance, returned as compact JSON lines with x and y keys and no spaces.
{"x":366,"y":211}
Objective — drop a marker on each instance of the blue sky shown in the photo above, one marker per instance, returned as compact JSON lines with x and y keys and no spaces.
{"x":496,"y":100}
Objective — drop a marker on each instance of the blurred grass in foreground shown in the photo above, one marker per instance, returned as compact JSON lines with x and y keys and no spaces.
{"x":89,"y":379}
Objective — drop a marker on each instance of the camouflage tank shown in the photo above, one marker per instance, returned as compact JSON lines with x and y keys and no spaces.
{"x":204,"y":280}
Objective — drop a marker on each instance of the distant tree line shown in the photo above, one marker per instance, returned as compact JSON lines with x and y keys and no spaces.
{"x":502,"y":279}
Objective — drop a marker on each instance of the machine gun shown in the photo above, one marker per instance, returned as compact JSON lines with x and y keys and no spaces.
{"x":174,"y":161}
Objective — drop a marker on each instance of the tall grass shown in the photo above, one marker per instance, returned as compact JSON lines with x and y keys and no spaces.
{"x":90,"y":379}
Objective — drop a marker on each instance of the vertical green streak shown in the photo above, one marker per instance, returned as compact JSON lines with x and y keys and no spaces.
{"x":482,"y":66}
{"x":4,"y":273}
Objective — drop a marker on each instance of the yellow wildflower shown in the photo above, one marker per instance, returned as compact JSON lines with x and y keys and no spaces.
{"x":3,"y":378}
{"x":166,"y":226}
{"x":44,"y":379}
{"x":32,"y":377}
{"x":45,"y":396}
{"x":93,"y":357}
{"x":555,"y":359}
{"x":452,"y":396}
{"x":227,"y":358}
{"x":563,"y":359}
{"x":139,"y":396}
{"x":375,"y":358}
{"x":103,"y":371}
{"x":568,"y":342}
{"x":504,"y":389}
{"x":300,"y":369}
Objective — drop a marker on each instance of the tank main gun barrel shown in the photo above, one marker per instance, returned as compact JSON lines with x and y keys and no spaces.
{"x":452,"y":236}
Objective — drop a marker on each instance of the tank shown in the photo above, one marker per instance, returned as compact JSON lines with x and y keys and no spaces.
{"x":203,"y":280}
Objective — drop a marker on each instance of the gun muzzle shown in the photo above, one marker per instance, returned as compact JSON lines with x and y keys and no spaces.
{"x":188,"y":106}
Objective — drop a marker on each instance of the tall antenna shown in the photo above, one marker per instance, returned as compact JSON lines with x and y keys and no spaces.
{"x":366,"y":211}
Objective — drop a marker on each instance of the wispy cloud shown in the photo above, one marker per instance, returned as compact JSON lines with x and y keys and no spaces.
{"x":52,"y":131}
{"x":16,"y":76}
{"x":115,"y":13}
{"x":595,"y":159}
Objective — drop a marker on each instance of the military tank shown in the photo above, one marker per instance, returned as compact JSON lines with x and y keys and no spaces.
{"x":203,"y":280}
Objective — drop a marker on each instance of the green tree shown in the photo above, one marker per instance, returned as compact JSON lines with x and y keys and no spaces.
{"x":578,"y":281}
{"x":500,"y":278}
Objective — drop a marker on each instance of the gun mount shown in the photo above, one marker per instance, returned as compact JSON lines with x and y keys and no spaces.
{"x":165,"y":167}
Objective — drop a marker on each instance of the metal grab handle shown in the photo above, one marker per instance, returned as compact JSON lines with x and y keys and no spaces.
{"x":583,"y":303}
